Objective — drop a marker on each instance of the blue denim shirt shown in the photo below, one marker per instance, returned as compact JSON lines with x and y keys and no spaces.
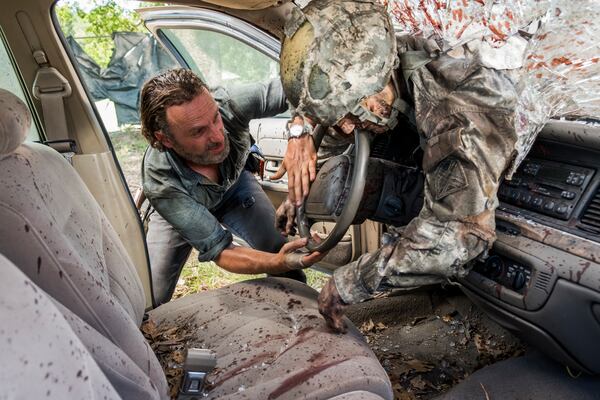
{"x":187,"y":199}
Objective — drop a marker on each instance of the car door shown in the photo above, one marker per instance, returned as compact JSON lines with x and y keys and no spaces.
{"x":225,"y":50}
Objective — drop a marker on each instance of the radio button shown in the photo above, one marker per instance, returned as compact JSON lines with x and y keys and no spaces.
{"x":537,"y":202}
{"x":549,"y":206}
{"x":575,"y":179}
{"x":567,"y":195}
{"x":562,"y":209}
{"x":531,"y":169}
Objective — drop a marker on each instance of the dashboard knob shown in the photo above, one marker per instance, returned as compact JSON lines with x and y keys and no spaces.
{"x":519,"y":280}
{"x":494,"y":266}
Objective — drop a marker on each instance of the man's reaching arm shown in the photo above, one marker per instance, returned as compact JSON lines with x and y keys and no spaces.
{"x":204,"y":232}
{"x":244,"y":260}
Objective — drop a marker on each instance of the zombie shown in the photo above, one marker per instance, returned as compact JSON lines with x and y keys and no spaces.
{"x":343,"y":67}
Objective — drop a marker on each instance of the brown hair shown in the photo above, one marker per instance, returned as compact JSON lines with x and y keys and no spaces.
{"x":173,"y":87}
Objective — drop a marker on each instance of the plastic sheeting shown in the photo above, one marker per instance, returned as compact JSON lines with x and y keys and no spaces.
{"x":559,"y":69}
{"x":137,"y":57}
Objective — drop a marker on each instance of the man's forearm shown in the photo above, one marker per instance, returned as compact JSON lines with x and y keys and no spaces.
{"x":244,"y":260}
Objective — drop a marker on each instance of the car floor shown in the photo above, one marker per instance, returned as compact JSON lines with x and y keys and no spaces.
{"x":430,"y":339}
{"x":435,"y":343}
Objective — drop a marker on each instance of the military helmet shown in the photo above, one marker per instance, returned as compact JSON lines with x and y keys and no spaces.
{"x":335,"y":54}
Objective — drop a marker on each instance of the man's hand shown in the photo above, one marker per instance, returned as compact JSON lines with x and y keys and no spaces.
{"x":331,"y":307}
{"x":285,"y":218}
{"x":300,"y":162}
{"x":295,"y":260}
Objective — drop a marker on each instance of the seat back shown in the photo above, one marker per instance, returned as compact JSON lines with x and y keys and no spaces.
{"x":42,"y":357}
{"x":55,"y":232}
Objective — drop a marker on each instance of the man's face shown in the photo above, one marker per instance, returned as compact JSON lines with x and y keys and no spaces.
{"x":379,"y":104}
{"x":197,"y":132}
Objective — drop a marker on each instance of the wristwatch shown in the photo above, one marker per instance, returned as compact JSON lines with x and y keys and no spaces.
{"x":295,"y":130}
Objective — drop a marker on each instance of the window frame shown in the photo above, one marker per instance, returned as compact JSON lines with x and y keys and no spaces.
{"x":209,"y":20}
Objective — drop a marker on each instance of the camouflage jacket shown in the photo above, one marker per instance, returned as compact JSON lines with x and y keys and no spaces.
{"x":465,"y":116}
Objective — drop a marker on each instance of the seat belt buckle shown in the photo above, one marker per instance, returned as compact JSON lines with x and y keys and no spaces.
{"x":198,"y":364}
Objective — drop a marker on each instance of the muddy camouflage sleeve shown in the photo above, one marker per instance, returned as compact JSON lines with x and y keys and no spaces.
{"x":465,"y":112}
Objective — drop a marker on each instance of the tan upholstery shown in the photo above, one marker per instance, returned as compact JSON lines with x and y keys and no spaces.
{"x":42,"y":358}
{"x":271,"y":343}
{"x":54,"y":231}
{"x":15,"y":121}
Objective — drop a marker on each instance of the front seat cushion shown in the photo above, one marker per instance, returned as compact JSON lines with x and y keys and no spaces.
{"x":271,"y":343}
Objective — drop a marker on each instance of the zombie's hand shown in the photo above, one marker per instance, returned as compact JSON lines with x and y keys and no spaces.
{"x":300,"y":162}
{"x":285,"y":218}
{"x":331,"y":307}
{"x":293,"y":259}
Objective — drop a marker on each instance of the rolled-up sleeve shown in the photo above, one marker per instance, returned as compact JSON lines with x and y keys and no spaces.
{"x":193,"y":222}
{"x":258,"y":100}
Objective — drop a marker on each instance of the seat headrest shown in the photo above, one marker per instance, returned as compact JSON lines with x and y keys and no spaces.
{"x":15,"y":121}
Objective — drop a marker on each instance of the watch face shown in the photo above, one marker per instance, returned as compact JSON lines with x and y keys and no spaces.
{"x":296,"y":130}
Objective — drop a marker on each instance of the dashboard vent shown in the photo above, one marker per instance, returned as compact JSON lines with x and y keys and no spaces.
{"x":590,"y":220}
{"x":543,"y":280}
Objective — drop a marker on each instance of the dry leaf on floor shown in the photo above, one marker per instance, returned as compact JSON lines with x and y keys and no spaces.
{"x":380,"y":326}
{"x":149,"y":328}
{"x":401,"y":394}
{"x":419,"y":366}
{"x":413,"y":365}
{"x":418,"y":382}
{"x":367,"y":326}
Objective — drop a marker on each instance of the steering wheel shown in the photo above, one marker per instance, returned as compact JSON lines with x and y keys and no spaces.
{"x":357,"y":187}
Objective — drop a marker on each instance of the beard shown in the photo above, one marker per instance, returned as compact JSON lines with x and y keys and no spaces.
{"x":206,"y":158}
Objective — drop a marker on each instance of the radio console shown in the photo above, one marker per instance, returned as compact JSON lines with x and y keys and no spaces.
{"x":546,"y":187}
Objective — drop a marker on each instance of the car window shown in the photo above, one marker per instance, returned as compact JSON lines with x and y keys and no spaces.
{"x":114,"y":55}
{"x":221,"y":59}
{"x":10,"y":80}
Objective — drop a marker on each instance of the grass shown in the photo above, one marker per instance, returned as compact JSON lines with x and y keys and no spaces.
{"x":129,"y":145}
{"x":200,"y":276}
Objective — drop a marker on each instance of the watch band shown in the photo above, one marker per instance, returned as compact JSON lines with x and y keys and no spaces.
{"x":297,"y":131}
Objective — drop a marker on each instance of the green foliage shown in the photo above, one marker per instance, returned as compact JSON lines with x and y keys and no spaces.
{"x":93,"y":29}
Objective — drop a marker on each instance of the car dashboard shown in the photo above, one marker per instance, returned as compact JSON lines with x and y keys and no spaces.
{"x":541,"y":280}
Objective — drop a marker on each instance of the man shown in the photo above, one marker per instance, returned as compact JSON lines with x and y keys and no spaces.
{"x":194,"y":177}
{"x":340,"y":68}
